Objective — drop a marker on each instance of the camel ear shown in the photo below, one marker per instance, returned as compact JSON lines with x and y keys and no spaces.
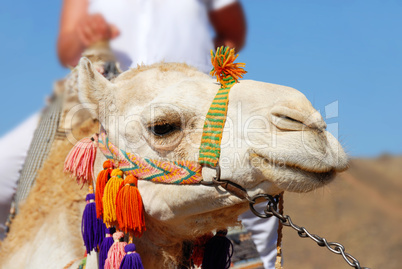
{"x":94,"y":91}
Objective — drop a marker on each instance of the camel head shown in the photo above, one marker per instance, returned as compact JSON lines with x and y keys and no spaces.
{"x":274,"y":140}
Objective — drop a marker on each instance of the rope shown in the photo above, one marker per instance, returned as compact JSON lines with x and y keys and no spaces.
{"x":278,"y":262}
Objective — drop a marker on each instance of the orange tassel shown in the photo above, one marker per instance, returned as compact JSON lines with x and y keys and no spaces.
{"x":129,"y":208}
{"x":109,"y":198}
{"x":101,"y":181}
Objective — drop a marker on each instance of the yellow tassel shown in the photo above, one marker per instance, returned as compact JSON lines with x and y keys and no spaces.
{"x":109,"y":198}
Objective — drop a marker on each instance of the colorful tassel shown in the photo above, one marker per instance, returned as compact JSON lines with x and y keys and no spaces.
{"x":101,"y":181}
{"x":116,"y":252}
{"x":199,"y":249}
{"x":132,"y":259}
{"x":109,"y":198}
{"x":218,"y":252}
{"x":129,"y":208}
{"x":224,"y":66}
{"x":80,"y":160}
{"x":92,"y":229}
{"x":101,"y":234}
{"x":105,"y":246}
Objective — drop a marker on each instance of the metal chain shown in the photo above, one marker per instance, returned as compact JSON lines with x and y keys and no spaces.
{"x":271,"y":210}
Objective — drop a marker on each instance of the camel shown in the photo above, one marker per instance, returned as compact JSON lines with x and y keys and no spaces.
{"x":274,"y":141}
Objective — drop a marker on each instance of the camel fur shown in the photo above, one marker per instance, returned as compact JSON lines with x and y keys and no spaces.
{"x":50,"y":215}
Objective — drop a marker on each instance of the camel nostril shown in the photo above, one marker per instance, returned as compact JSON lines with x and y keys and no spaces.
{"x":287,"y":119}
{"x":286,"y":123}
{"x":290,"y":119}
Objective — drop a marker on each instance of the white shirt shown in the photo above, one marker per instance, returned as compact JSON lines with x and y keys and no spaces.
{"x":160,"y":30}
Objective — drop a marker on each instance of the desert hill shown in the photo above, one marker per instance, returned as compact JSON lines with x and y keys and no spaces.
{"x":361,"y":209}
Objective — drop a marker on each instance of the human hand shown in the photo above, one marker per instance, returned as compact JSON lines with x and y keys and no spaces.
{"x":94,"y":28}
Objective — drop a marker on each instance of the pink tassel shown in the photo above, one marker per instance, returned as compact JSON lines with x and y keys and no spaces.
{"x":80,"y":160}
{"x":116,"y":252}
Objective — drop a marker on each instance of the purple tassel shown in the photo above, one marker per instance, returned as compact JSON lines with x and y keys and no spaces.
{"x":218,"y":252}
{"x":132,"y":259}
{"x":89,"y":224}
{"x":105,"y":246}
{"x":100,"y":232}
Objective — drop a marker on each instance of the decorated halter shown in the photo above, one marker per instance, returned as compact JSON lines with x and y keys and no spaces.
{"x":117,"y":201}
{"x":178,"y":172}
{"x":227,"y":72}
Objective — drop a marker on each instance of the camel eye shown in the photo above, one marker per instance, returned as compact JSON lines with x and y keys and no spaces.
{"x":162,"y":129}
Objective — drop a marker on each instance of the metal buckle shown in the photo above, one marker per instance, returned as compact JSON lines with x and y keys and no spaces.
{"x":215,"y":179}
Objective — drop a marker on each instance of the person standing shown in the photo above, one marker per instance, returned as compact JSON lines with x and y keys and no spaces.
{"x":146,"y":32}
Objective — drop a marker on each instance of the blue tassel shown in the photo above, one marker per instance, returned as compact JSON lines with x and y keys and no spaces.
{"x":105,"y":246}
{"x":100,"y":233}
{"x":90,"y":225}
{"x":132,"y":259}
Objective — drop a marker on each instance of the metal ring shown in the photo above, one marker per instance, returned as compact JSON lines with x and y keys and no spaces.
{"x":258,"y":214}
{"x":218,"y":172}
{"x":207,"y":183}
{"x":215,"y":179}
{"x":271,"y":205}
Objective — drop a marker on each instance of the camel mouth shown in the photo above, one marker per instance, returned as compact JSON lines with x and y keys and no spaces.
{"x":290,"y":177}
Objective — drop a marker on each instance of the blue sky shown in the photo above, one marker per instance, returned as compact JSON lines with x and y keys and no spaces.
{"x":344,"y":55}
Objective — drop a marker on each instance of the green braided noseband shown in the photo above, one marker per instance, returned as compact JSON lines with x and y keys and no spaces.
{"x":227,"y":73}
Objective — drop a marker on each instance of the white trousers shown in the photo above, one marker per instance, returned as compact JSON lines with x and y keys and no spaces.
{"x":264,"y":234}
{"x":14,"y":148}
